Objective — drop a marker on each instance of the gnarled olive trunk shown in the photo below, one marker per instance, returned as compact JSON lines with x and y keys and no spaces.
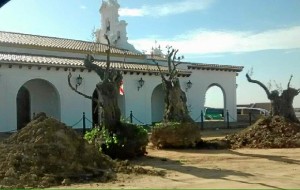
{"x":175,"y":103}
{"x":175,"y":99}
{"x":112,"y":114}
{"x":108,"y":89}
{"x":282,"y":105}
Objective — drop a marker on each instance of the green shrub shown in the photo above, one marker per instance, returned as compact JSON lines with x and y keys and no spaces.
{"x":130,"y":141}
{"x":175,"y":135}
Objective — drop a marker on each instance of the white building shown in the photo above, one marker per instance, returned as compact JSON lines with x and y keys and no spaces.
{"x":34,"y":70}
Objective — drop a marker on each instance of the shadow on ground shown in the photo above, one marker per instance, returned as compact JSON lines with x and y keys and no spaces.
{"x":208,"y":173}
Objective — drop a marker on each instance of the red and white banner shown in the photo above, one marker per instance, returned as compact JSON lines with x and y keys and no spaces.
{"x":121,"y":88}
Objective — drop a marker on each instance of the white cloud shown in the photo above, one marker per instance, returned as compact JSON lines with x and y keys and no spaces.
{"x":83,"y":7}
{"x":131,"y":12}
{"x":165,"y":9}
{"x":206,"y":42}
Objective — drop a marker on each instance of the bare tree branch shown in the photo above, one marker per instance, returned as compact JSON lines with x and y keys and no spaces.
{"x":160,"y":71}
{"x":260,"y":84}
{"x":179,"y":63}
{"x":169,"y":60}
{"x":174,"y":58}
{"x":288,"y":86}
{"x":174,"y":72}
{"x":107,"y":55}
{"x":88,"y":63}
{"x":74,"y":89}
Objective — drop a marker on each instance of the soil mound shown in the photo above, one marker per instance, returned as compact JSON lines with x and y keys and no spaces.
{"x":272,"y":132}
{"x":47,"y":153}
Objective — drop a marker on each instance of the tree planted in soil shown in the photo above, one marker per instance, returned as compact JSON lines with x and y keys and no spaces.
{"x":116,"y":139}
{"x":178,"y":130}
{"x":175,"y":99}
{"x":281,"y":103}
{"x":108,"y":88}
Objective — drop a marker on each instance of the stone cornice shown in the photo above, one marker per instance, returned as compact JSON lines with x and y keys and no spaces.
{"x":28,"y":60}
{"x":215,"y":67}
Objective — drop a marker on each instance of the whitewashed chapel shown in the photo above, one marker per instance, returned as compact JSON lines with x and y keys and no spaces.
{"x":34,"y":70}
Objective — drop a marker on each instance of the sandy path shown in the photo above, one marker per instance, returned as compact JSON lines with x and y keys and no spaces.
{"x":244,"y":168}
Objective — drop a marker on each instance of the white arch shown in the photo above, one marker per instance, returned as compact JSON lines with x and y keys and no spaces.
{"x":224,"y":106}
{"x":157,"y":103}
{"x":222,"y":89}
{"x":44,"y":97}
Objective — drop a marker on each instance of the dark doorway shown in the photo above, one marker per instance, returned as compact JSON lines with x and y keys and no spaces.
{"x":95,"y":109}
{"x":23,"y":108}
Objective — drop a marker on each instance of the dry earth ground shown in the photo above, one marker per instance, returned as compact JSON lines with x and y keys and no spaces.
{"x":242,"y":168}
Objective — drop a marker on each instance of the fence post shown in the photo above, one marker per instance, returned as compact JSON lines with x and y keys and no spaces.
{"x":227,"y":118}
{"x":131,"y":116}
{"x":250,"y":118}
{"x":83,"y":124}
{"x":202,"y":123}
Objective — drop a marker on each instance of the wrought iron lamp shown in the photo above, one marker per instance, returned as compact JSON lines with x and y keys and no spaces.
{"x":141,"y":83}
{"x":189,"y":85}
{"x":78,"y":81}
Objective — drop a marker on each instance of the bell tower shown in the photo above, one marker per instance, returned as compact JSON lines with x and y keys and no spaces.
{"x":111,"y":26}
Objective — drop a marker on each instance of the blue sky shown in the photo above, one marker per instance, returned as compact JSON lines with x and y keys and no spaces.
{"x":259,"y":34}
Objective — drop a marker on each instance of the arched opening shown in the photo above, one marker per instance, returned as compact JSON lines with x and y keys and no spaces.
{"x":35,"y":96}
{"x":214,"y":103}
{"x":23,"y":107}
{"x":157,"y":104}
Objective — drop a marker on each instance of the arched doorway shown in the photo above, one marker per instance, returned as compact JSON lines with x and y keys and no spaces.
{"x":214,"y":103}
{"x":23,"y":107}
{"x":157,"y":104}
{"x":39,"y":96}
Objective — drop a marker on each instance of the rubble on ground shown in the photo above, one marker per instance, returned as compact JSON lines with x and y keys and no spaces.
{"x":47,"y":153}
{"x":271,"y":132}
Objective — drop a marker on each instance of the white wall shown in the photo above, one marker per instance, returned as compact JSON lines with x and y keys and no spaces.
{"x":72,"y":105}
{"x":138,"y":101}
{"x":202,"y":80}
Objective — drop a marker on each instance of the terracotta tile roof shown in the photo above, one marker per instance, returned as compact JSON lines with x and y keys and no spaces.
{"x":26,"y":59}
{"x":216,"y":67}
{"x":10,"y":38}
{"x":201,"y":66}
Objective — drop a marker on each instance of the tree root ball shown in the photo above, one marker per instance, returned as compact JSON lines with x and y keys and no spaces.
{"x":175,"y":135}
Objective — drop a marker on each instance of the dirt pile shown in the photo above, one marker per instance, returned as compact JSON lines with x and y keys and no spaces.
{"x":272,"y":132}
{"x":47,"y":153}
